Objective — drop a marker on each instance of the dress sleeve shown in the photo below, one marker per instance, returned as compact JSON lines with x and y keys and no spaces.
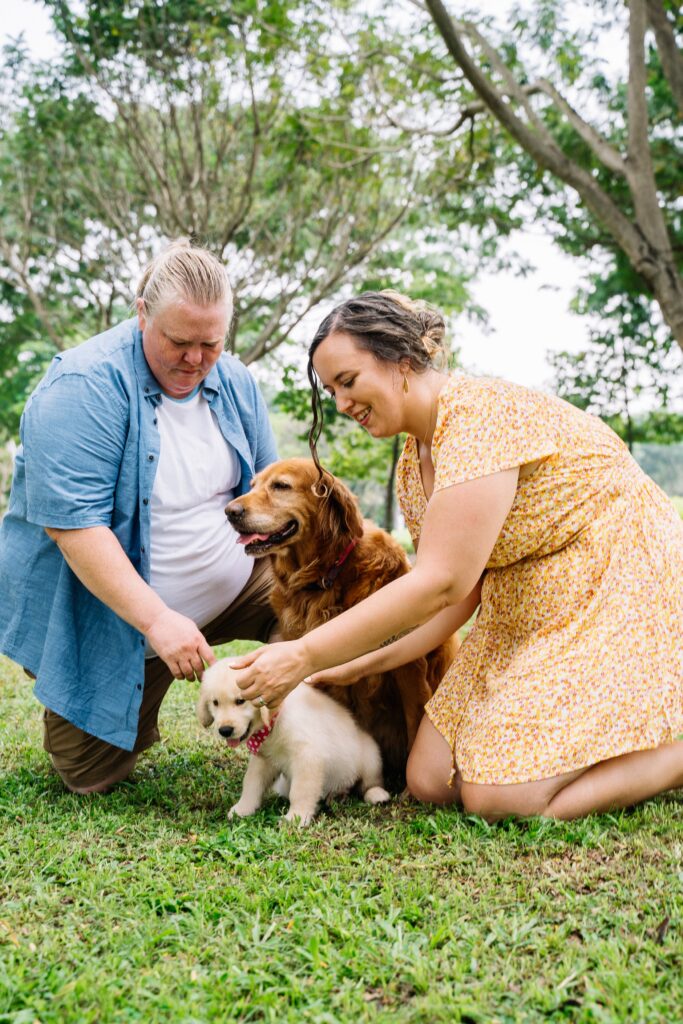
{"x":74,"y":434}
{"x":486,"y":426}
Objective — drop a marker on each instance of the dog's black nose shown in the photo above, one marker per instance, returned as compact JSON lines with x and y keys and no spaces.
{"x":226,"y":731}
{"x":234,"y":512}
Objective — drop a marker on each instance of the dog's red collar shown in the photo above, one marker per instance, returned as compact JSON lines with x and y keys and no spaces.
{"x":257,"y":739}
{"x":327,"y":581}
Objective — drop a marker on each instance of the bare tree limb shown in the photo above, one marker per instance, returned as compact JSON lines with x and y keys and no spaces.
{"x":24,"y":277}
{"x":645,"y":243}
{"x":609,"y":156}
{"x":669,"y":52}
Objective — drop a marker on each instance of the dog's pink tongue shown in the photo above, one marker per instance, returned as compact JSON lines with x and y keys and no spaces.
{"x":233,"y":743}
{"x":247,"y":538}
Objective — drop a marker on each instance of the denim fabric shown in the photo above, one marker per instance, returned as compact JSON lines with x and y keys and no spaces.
{"x":88,"y":458}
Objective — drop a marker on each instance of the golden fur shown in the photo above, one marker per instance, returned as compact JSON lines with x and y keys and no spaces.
{"x":315,"y":531}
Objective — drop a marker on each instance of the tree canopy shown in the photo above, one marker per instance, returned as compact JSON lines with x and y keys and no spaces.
{"x":323,"y":147}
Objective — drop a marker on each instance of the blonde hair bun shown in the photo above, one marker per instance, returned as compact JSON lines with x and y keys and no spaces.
{"x":183,"y":271}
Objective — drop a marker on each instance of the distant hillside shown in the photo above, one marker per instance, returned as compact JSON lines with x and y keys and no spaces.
{"x":664,"y":463}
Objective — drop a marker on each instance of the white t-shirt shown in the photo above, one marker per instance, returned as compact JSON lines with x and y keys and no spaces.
{"x":197,"y":567}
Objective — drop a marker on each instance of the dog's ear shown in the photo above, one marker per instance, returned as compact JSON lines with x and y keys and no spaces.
{"x":203,"y":714}
{"x":340,"y":511}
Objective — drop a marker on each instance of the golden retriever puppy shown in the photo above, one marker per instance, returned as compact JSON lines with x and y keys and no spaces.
{"x":311,"y":746}
{"x":326,"y":559}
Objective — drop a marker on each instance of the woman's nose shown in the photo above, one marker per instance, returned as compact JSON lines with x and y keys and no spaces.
{"x":193,"y":356}
{"x":343,"y":403}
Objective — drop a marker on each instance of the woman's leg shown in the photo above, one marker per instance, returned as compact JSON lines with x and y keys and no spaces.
{"x":609,"y":785}
{"x":429,"y":767}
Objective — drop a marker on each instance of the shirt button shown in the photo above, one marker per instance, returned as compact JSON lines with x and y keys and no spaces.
{"x":146,"y":391}
{"x":151,"y":458}
{"x":139,"y":686}
{"x":145,"y":501}
{"x":142,"y":549}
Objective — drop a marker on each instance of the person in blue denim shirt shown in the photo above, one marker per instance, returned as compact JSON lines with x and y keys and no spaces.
{"x":118,"y":569}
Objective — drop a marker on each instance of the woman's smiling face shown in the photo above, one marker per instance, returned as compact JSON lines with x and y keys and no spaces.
{"x":363,"y":387}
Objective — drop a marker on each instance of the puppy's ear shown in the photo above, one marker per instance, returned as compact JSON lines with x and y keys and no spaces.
{"x":203,"y":714}
{"x":340,"y":512}
{"x":265,"y":716}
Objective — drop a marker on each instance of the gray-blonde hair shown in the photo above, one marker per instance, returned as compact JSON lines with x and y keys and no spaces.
{"x":187,"y":272}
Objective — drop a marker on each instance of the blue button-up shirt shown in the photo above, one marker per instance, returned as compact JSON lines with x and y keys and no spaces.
{"x":89,"y":453}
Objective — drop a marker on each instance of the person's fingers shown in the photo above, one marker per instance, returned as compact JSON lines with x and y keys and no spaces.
{"x":245,"y":660}
{"x":205,"y":652}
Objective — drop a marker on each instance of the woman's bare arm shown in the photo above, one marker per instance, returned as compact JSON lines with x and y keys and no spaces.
{"x":407,"y":648}
{"x":460,"y":529}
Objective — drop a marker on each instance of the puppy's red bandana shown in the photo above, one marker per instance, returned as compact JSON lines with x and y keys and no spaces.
{"x":257,"y":739}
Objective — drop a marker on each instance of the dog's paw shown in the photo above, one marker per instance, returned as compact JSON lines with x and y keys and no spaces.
{"x":240,"y":810}
{"x":300,"y":818}
{"x":376,"y":795}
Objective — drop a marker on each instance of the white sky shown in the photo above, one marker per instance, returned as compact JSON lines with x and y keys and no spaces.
{"x":528,"y":315}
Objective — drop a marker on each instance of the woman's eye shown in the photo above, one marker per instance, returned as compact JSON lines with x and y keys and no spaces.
{"x":349,"y":383}
{"x":240,"y":700}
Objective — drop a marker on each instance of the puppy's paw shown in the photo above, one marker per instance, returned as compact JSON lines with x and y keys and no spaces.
{"x":376,"y":795}
{"x":240,"y":810}
{"x":299,"y":817}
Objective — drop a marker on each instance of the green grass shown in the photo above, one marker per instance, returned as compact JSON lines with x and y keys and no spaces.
{"x":148,"y":905}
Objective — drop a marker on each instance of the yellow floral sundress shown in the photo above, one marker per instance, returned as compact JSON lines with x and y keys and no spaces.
{"x":576,"y":654}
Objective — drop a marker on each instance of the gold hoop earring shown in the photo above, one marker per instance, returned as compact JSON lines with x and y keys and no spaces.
{"x":406,"y":389}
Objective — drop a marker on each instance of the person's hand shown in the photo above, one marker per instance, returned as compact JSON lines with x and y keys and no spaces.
{"x":271,"y":672}
{"x":340,"y":675}
{"x":179,"y":642}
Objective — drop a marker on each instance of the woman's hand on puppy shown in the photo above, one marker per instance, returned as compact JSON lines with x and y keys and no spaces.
{"x":271,"y":672}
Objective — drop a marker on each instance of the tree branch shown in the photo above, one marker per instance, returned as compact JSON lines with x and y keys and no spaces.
{"x":646,"y":243}
{"x":669,"y":52}
{"x":609,"y":156}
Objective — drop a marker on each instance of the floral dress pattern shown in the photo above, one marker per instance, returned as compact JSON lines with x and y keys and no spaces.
{"x":576,"y":654}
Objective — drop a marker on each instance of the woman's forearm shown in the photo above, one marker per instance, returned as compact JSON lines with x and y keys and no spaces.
{"x":413,"y":645}
{"x":95,"y":556}
{"x":395,"y":608}
{"x":427,"y":637}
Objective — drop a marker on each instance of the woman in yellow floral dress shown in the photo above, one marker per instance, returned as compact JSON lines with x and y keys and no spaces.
{"x":567,"y":694}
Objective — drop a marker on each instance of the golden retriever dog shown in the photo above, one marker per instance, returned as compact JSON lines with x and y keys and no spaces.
{"x":311,"y":746}
{"x":326,"y":559}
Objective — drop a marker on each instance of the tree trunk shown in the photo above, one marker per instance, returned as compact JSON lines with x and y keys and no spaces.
{"x":646,"y":242}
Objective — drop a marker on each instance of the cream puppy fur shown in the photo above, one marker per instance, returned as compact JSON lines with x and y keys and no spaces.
{"x":315,"y":748}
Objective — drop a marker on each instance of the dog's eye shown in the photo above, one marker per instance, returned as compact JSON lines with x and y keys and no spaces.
{"x":281,"y":485}
{"x":215,"y":703}
{"x":240,"y":700}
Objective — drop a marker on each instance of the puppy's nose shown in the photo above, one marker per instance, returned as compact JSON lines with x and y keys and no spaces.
{"x":226,"y":731}
{"x":234,"y":511}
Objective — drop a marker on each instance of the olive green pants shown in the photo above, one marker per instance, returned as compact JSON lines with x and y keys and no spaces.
{"x":83,"y":760}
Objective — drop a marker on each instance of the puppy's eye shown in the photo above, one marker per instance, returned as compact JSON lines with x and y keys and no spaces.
{"x":215,"y":702}
{"x":240,"y":700}
{"x":281,"y":485}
